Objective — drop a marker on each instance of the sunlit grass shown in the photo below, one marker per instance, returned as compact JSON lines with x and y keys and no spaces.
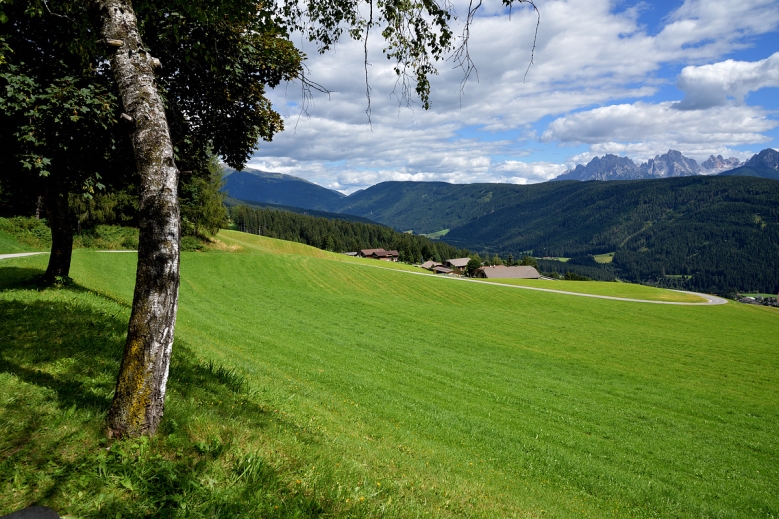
{"x":370,"y":392}
{"x":436,"y":235}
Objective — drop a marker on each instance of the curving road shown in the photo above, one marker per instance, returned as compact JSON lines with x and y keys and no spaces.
{"x":709,"y":299}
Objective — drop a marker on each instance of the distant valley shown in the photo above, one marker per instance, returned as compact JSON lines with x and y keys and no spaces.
{"x":716,"y":233}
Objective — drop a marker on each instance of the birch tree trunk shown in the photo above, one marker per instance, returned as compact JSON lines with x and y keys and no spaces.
{"x":140,"y":388}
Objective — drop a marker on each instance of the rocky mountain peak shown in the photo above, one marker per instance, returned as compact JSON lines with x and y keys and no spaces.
{"x":719,"y":164}
{"x":608,"y":167}
{"x":768,"y":158}
{"x":672,"y":164}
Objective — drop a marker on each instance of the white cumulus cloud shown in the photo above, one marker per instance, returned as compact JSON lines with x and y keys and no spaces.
{"x":645,"y":129}
{"x":717,"y":84}
{"x":588,"y":54}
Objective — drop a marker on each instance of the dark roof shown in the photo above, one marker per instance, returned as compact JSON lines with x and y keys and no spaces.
{"x":442,"y":270}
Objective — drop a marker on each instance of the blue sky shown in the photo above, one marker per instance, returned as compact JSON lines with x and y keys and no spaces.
{"x":630,"y":78}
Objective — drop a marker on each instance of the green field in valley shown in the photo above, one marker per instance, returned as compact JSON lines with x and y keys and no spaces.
{"x":437,"y":234}
{"x":310,"y":384}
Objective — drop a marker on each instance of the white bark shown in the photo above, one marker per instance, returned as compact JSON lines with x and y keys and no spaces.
{"x":140,"y":389}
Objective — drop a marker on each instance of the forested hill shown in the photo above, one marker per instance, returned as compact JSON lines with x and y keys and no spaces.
{"x":598,"y":217}
{"x":279,"y":189}
{"x":715,"y":234}
{"x":232,"y":202}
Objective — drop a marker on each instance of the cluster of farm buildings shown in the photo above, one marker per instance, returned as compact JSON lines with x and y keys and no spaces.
{"x":456,"y":266}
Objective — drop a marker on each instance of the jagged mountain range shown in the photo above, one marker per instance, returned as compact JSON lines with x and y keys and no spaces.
{"x":671,"y":164}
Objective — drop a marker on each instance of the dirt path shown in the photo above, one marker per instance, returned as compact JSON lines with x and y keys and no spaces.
{"x":20,"y":255}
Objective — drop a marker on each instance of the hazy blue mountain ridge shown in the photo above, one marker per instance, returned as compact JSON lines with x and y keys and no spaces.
{"x":232,"y":202}
{"x":279,"y":189}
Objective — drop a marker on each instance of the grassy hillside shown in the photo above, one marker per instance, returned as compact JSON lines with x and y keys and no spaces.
{"x":366,"y":392}
{"x":23,"y":235}
{"x":28,"y":234}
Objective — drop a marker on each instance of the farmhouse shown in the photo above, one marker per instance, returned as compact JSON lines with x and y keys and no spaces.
{"x":503,"y":272}
{"x":380,"y":254}
{"x":430,"y":264}
{"x":458,"y":263}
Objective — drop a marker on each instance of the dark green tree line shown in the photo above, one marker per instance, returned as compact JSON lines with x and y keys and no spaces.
{"x":339,"y":235}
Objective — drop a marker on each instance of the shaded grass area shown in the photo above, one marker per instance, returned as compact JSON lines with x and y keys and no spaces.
{"x":22,"y":234}
{"x":604,"y":288}
{"x":58,"y":364}
{"x":376,"y":393}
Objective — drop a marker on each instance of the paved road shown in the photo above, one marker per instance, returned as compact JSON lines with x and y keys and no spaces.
{"x":710,"y":300}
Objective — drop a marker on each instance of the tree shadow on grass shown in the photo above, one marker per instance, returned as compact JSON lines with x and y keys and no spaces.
{"x":60,"y":351}
{"x":18,"y":277}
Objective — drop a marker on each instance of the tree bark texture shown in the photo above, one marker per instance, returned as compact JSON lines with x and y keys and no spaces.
{"x":58,"y":214}
{"x":140,"y":388}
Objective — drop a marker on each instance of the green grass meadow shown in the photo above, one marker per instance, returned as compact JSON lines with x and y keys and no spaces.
{"x":604,"y":258}
{"x":436,"y":235}
{"x":310,"y":384}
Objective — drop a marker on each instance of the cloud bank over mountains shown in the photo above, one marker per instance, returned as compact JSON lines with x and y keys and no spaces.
{"x":607,"y":77}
